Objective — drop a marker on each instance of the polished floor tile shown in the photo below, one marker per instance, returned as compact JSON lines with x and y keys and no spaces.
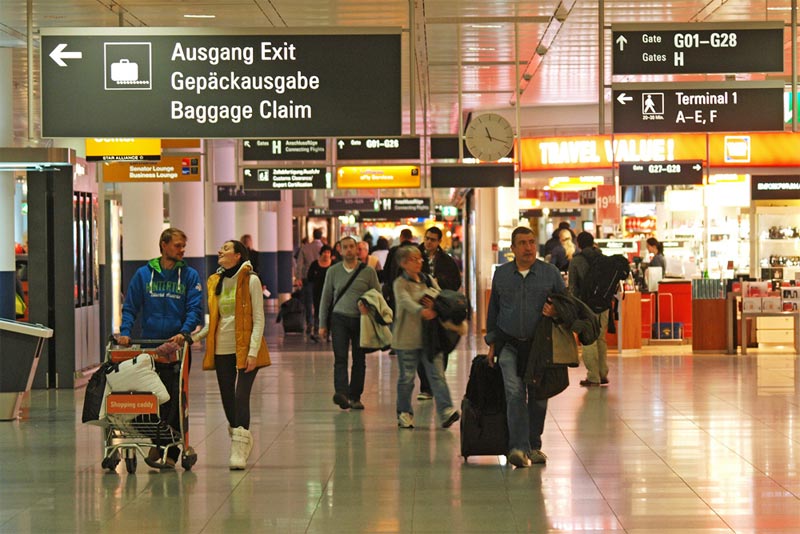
{"x":677,"y":444}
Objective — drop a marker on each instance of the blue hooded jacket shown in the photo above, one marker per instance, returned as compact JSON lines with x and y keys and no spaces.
{"x":170,"y":301}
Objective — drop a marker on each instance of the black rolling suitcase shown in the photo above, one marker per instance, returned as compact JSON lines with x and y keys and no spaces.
{"x":484,"y":427}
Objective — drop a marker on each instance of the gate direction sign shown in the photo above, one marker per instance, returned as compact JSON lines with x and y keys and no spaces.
{"x":284,"y":150}
{"x":285,"y":178}
{"x":698,"y":107}
{"x":378,"y":148}
{"x":697,"y":48}
{"x":384,"y":209}
{"x":220,"y":83}
{"x":661,"y":173}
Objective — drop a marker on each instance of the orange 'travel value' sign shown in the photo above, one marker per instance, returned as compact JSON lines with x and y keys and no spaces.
{"x":378,"y":177}
{"x":599,"y":151}
{"x":778,"y":149}
{"x":167,"y":169}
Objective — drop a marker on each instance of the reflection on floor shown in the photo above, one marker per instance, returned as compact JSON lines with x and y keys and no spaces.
{"x":676,"y":444}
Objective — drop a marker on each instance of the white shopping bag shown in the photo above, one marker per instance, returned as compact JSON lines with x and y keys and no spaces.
{"x":138,"y":374}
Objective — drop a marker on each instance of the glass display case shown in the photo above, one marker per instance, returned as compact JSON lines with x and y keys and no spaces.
{"x":777,"y":243}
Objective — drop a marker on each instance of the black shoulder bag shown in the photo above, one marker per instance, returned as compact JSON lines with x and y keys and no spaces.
{"x":342,"y":292}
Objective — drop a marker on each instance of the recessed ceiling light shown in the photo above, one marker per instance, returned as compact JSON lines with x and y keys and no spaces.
{"x":779,"y":8}
{"x":486,"y":26}
{"x":480,"y":49}
{"x":199,"y":16}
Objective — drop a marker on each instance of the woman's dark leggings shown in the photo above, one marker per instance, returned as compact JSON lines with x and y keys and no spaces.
{"x":234,"y":388}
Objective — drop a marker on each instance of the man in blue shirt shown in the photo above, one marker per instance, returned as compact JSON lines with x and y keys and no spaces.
{"x":519,"y":299}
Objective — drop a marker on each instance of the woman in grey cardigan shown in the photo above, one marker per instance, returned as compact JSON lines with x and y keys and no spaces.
{"x":414,"y":304}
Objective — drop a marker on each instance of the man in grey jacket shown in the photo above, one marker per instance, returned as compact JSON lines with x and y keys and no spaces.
{"x":339,"y":307}
{"x":595,"y":356}
{"x":308,"y":254}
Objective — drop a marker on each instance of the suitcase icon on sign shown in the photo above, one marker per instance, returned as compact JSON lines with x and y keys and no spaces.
{"x":124,"y":71}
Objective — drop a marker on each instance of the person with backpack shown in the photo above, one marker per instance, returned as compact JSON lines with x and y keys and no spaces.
{"x":595,"y":355}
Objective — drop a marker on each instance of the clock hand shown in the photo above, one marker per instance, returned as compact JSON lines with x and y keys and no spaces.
{"x":489,"y":135}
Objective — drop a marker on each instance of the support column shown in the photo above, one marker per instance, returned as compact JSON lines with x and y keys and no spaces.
{"x":246,"y":220}
{"x":485,"y":236}
{"x":268,"y":250}
{"x":7,"y":264}
{"x":219,"y":216}
{"x":185,"y":201}
{"x":285,"y":246}
{"x":142,"y":224}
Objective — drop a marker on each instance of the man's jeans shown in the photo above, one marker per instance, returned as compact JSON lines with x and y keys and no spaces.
{"x":407,"y":361}
{"x":595,"y":356}
{"x":307,"y":293}
{"x":525,"y":413}
{"x":346,"y":331}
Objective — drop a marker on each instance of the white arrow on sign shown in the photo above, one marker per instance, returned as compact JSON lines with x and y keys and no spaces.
{"x":247,"y":144}
{"x":59,"y":55}
{"x":621,"y":42}
{"x":697,"y":167}
{"x":247,"y":172}
{"x":622,"y":98}
{"x":341,"y":144}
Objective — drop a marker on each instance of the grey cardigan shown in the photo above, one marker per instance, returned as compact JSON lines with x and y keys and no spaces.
{"x":407,"y":332}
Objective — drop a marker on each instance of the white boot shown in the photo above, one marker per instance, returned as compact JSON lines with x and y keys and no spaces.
{"x":239,"y":448}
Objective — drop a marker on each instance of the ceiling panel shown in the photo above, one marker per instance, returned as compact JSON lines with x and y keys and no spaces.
{"x":483,"y":35}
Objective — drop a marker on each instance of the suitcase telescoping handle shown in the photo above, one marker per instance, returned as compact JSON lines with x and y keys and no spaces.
{"x":113,"y":340}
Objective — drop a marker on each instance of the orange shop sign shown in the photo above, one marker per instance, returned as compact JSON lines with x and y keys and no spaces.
{"x":122,"y":149}
{"x":773,"y":149}
{"x":378,"y":177}
{"x":600,"y":151}
{"x":167,"y":169}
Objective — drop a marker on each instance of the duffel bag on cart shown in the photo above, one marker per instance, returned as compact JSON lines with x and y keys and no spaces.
{"x":137,"y":374}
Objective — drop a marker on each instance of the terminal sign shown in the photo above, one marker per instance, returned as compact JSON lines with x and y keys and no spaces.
{"x":697,"y":48}
{"x":220,"y":83}
{"x":651,"y":108}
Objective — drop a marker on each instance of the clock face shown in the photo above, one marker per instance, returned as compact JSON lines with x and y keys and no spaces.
{"x":489,"y":137}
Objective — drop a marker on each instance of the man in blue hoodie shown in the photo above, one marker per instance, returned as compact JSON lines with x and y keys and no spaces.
{"x":166,"y":292}
{"x":169,"y":296}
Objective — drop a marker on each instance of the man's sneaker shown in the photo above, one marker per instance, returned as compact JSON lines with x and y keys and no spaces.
{"x":405,"y":420}
{"x":588,"y":383}
{"x":455,"y":416}
{"x":155,"y":460}
{"x":604,"y":381}
{"x":356,"y":405}
{"x":518,"y":458}
{"x":537,"y":457}
{"x":424,"y":395}
{"x":342,"y":400}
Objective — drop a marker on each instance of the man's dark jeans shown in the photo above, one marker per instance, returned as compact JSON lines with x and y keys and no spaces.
{"x":307,"y":293}
{"x":346,"y":331}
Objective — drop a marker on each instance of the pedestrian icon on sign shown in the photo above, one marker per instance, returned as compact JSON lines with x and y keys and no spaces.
{"x":652,"y":103}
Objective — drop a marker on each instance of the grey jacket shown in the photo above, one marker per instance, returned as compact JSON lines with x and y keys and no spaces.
{"x":308,"y":254}
{"x":407,"y":333}
{"x":335,"y":279}
{"x":375,"y":332}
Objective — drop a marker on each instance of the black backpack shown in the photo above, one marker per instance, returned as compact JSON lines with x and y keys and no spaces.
{"x":602,"y":281}
{"x":485,"y":389}
{"x":451,"y":306}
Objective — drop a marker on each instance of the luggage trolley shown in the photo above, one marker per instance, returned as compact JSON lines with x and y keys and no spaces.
{"x":135,"y":421}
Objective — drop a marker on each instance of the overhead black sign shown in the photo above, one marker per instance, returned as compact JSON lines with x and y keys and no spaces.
{"x":467,"y":176}
{"x":697,"y":48}
{"x":393,"y":208}
{"x":284,"y":150}
{"x":775,"y":187}
{"x":284,"y":178}
{"x":378,"y":148}
{"x":319,"y":212}
{"x":446,"y":147}
{"x":232,"y":193}
{"x":348,"y":204}
{"x":661,"y":173}
{"x":699,"y":107}
{"x":199,"y":82}
{"x":588,"y":197}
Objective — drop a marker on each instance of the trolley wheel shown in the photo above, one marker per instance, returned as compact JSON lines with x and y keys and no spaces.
{"x":110,"y":463}
{"x":130,"y":464}
{"x":189,"y":459}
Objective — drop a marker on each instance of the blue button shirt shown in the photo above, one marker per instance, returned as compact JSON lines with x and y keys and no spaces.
{"x":515,"y":306}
